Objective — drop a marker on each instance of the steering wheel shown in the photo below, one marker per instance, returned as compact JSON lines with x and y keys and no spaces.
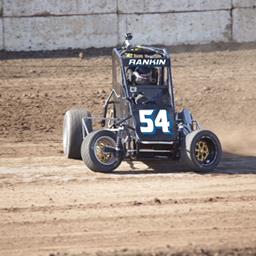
{"x":140,"y":98}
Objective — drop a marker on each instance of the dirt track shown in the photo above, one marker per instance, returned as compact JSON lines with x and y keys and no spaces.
{"x":50,"y":204}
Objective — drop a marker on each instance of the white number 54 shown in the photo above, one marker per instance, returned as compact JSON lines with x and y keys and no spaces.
{"x":160,"y":121}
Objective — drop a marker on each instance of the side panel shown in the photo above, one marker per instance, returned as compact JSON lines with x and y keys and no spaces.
{"x":117,"y":83}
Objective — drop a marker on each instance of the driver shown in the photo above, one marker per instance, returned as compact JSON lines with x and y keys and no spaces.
{"x":144,"y":75}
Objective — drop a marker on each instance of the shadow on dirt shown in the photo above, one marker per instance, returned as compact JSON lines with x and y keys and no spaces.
{"x":230,"y":164}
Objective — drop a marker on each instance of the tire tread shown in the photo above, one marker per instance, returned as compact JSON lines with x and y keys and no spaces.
{"x":76,"y":134}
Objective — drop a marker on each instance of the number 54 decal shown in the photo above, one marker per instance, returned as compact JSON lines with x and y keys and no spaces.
{"x":152,"y":120}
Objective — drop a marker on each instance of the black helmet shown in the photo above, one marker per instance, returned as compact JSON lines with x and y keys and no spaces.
{"x":144,"y":75}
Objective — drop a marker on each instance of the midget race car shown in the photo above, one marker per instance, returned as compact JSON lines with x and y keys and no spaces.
{"x":139,"y":119}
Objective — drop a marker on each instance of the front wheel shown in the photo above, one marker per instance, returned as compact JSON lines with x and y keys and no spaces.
{"x":98,"y":151}
{"x":201,"y":150}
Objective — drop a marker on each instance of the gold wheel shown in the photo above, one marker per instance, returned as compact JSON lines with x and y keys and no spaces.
{"x":202,"y":151}
{"x":103,"y":157}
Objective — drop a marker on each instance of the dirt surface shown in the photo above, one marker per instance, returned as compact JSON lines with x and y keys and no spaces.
{"x":53,"y":206}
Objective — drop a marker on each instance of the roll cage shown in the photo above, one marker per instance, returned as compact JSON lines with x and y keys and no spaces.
{"x":122,"y":91}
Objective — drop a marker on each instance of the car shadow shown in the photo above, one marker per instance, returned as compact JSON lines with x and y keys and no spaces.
{"x":230,"y":164}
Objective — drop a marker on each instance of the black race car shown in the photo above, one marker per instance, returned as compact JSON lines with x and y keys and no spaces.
{"x":139,"y":120}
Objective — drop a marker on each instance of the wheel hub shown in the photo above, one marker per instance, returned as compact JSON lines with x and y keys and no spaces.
{"x":202,"y":151}
{"x":102,"y":156}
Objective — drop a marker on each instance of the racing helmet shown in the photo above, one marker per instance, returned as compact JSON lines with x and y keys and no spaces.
{"x":144,"y":75}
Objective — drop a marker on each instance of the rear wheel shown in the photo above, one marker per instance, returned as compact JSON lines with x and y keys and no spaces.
{"x":73,"y":133}
{"x":201,"y":150}
{"x":95,"y":154}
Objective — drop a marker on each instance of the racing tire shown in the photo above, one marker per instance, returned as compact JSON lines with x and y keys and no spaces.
{"x":93,"y":155}
{"x":201,"y":151}
{"x":73,"y":132}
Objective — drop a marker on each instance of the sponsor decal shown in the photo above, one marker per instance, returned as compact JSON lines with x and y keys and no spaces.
{"x":133,"y":89}
{"x":147,"y":62}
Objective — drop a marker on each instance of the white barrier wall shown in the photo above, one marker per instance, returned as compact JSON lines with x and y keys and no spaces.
{"x":156,"y":6}
{"x":177,"y":28}
{"x":57,"y":7}
{"x":61,"y":24}
{"x":41,"y":33}
{"x":1,"y":35}
{"x":1,"y":26}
